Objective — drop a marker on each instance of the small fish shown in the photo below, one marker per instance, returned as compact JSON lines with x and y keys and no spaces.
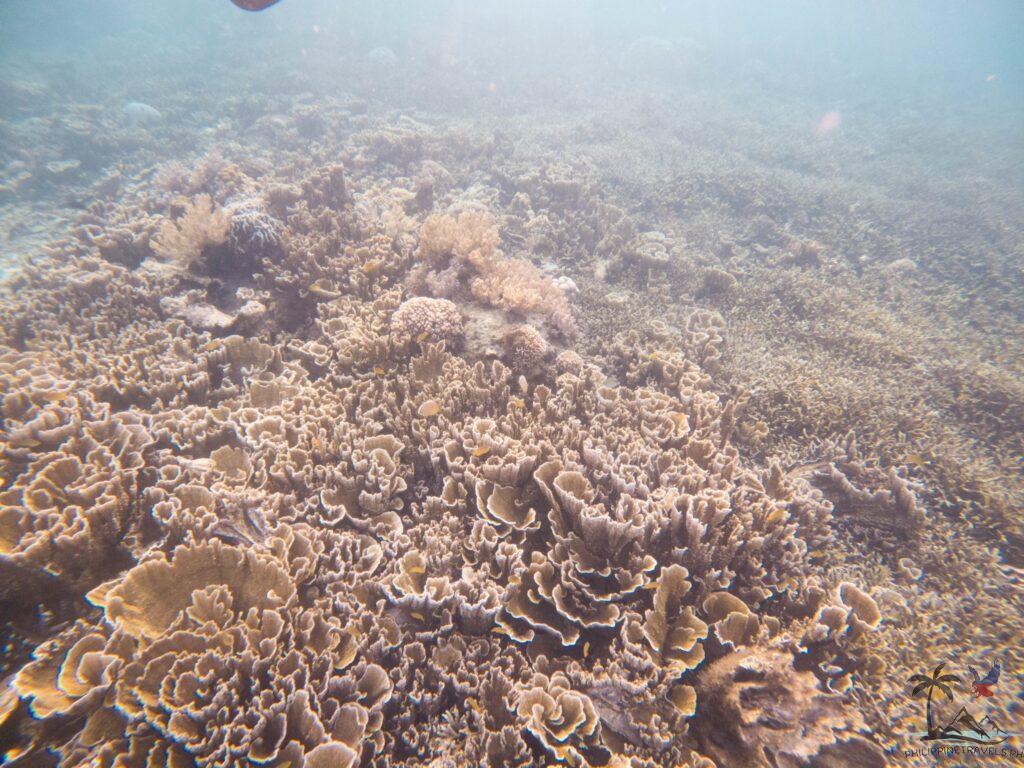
{"x":323,"y":289}
{"x":923,"y":459}
{"x":481,"y":450}
{"x":379,"y":370}
{"x":429,"y":408}
{"x":517,"y":402}
{"x":371,"y":266}
{"x":421,"y":337}
{"x":775,"y":515}
{"x":418,"y":616}
{"x":473,"y":704}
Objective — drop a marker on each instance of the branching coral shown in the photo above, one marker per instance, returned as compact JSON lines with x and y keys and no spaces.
{"x":517,"y":286}
{"x":472,"y":237}
{"x":463,"y":250}
{"x":200,"y":225}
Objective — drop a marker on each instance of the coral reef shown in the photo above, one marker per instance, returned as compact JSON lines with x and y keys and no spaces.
{"x":276,"y":583}
{"x":345,"y":439}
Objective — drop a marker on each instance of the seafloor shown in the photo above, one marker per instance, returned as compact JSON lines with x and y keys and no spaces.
{"x":382,"y":418}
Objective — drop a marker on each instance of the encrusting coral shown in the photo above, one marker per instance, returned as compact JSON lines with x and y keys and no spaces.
{"x":327,"y":537}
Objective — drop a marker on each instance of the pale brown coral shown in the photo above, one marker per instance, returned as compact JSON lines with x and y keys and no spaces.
{"x":472,"y":237}
{"x":68,"y":502}
{"x":672,"y":631}
{"x":200,"y":655}
{"x":518,"y":286}
{"x":760,"y":712}
{"x":525,"y":348}
{"x":464,"y":250}
{"x":200,"y":226}
{"x":866,"y":496}
{"x":564,"y":721}
{"x":421,"y":318}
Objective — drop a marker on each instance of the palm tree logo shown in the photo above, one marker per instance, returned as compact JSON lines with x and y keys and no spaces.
{"x":963,"y":727}
{"x":925,"y":684}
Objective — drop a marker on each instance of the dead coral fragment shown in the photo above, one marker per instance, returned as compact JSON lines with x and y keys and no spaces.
{"x":201,"y":225}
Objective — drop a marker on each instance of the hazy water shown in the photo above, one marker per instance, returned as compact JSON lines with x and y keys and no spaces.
{"x":933,"y":60}
{"x":927,"y":97}
{"x":939,"y":84}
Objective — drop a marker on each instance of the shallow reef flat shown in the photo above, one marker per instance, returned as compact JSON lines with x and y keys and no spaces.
{"x":358,"y":436}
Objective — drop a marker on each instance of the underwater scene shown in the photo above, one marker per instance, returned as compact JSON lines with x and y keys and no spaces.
{"x":454,"y":384}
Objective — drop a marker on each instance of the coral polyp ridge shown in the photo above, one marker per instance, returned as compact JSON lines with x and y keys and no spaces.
{"x":328,"y":462}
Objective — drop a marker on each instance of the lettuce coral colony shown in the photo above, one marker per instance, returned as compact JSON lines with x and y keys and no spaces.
{"x":311,"y":458}
{"x":338,"y":534}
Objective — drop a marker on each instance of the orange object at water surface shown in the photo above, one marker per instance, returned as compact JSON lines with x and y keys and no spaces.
{"x":254,"y":5}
